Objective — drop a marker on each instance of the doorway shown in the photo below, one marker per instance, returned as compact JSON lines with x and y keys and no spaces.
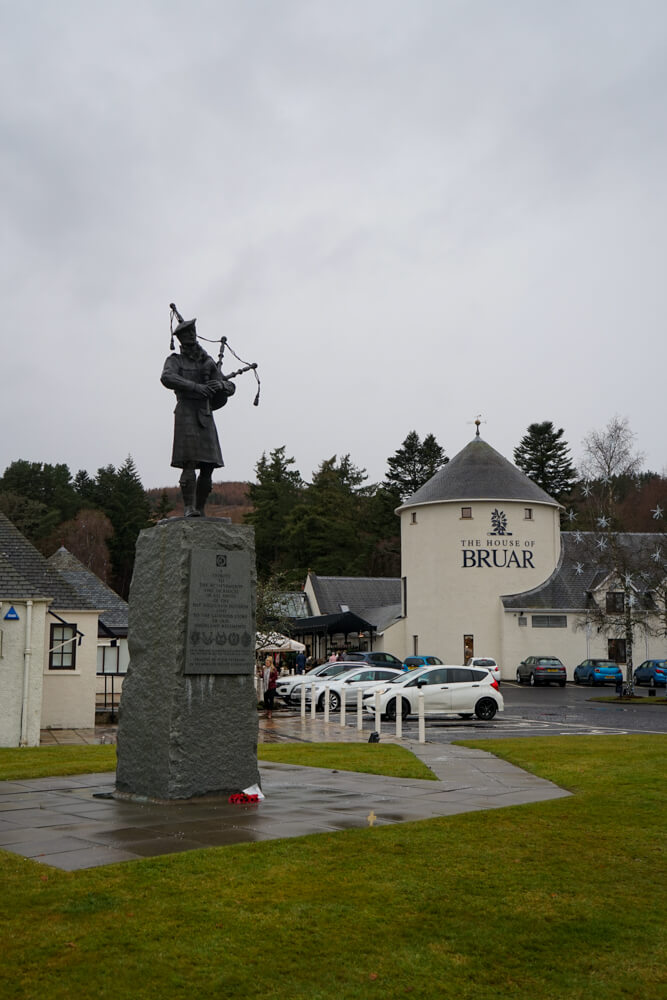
{"x":468,"y":647}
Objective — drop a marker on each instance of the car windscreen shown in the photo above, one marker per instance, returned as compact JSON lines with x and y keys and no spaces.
{"x":402,"y":678}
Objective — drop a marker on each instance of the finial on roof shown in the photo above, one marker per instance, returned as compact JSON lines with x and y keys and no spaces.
{"x":477,"y":421}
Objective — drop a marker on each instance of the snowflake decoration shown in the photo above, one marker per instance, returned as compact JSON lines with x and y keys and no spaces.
{"x":603,"y":522}
{"x":601,"y":544}
{"x":578,"y":537}
{"x":606,"y":480}
{"x":657,"y":513}
{"x":657,"y":556}
{"x":586,"y":489}
{"x":628,"y":579}
{"x":579,"y":568}
{"x":632,"y":600}
{"x":571,"y":515}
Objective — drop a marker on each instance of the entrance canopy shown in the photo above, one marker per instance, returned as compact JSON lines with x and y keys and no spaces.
{"x":274,"y":642}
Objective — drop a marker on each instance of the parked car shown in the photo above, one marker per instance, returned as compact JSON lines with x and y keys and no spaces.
{"x":541,"y":670}
{"x":357,"y":679}
{"x":447,"y":690}
{"x":289,"y":688}
{"x":377,"y":658}
{"x":651,"y":672}
{"x":414,"y":662}
{"x":597,"y":672}
{"x":485,"y":661}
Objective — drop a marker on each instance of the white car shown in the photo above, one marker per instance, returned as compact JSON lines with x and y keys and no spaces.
{"x":289,"y":688}
{"x":447,"y":690}
{"x":485,"y":661}
{"x":357,"y":679}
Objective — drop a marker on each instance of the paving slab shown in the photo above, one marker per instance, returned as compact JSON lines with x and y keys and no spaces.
{"x":60,"y":821}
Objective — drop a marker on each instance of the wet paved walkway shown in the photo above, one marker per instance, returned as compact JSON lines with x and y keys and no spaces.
{"x":63,"y":822}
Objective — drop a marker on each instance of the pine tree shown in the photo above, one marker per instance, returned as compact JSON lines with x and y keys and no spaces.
{"x":323,"y":531}
{"x":127,"y":507}
{"x":545,"y":458}
{"x":273,"y":496}
{"x":414,"y":464}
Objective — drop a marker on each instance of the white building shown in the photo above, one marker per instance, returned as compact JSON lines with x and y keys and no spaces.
{"x":485,"y":571}
{"x":48,"y":646}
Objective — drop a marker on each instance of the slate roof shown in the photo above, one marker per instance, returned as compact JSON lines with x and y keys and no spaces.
{"x":22,"y":566}
{"x":113,"y":609}
{"x":569,"y":590}
{"x":377,"y":599}
{"x":478,"y":472}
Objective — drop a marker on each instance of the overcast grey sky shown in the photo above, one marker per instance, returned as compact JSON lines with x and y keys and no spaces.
{"x":408,"y":213}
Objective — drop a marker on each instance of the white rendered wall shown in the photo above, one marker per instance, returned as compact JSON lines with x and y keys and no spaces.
{"x":12,"y":665}
{"x":68,"y":700}
{"x":457,"y":569}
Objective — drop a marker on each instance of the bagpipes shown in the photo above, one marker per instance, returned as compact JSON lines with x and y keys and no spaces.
{"x":220,"y":398}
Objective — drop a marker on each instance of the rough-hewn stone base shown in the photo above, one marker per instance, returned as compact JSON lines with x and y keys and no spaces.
{"x":181,"y":736}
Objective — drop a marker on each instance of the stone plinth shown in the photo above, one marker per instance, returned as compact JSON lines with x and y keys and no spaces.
{"x":188,"y":713}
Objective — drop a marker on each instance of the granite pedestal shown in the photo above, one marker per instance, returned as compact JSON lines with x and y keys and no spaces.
{"x":188,"y":712}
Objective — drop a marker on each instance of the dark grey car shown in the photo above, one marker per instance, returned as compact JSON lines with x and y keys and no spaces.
{"x":541,"y":670}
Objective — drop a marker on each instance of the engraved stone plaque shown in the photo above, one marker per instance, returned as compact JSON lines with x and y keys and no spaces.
{"x":220,"y":638}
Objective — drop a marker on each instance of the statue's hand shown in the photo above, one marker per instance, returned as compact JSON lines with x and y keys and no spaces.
{"x":202,"y":389}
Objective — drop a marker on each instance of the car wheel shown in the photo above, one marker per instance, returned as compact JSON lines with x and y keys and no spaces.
{"x":519,"y":678}
{"x":591,"y":680}
{"x":486,"y":709}
{"x":576,"y":679}
{"x":532,"y":681}
{"x":561,"y":684}
{"x":320,"y":703}
{"x":637,"y":681}
{"x":334,"y":701}
{"x":651,"y":682}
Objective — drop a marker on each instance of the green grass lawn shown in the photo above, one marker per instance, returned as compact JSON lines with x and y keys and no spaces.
{"x":553,"y":901}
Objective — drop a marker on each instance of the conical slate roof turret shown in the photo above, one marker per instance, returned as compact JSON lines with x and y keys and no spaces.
{"x":479,"y":472}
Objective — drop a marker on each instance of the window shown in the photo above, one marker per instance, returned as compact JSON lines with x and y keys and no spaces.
{"x":616,"y":650}
{"x":549,"y":621}
{"x":528,"y":513}
{"x":466,"y":513}
{"x":615,"y":602}
{"x":468,"y":647}
{"x":62,"y":647}
{"x":413,"y":517}
{"x":459,"y":675}
{"x":523,"y":621}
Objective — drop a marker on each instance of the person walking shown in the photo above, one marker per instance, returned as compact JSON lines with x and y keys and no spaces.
{"x":270,"y":683}
{"x":300,"y":662}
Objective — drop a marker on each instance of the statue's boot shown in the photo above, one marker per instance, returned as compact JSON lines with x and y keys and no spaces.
{"x":203,"y":491}
{"x":188,"y":494}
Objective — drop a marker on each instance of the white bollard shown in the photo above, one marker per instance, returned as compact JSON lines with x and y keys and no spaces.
{"x":360,"y":710}
{"x":399,"y":717}
{"x":342,"y":707}
{"x":327,"y":689}
{"x":378,"y":713}
{"x":313,"y":706}
{"x":303,"y":701}
{"x":422,"y":723}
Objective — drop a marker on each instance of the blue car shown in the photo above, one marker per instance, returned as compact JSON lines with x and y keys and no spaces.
{"x":597,"y":672}
{"x":652,"y":672}
{"x":414,"y":662}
